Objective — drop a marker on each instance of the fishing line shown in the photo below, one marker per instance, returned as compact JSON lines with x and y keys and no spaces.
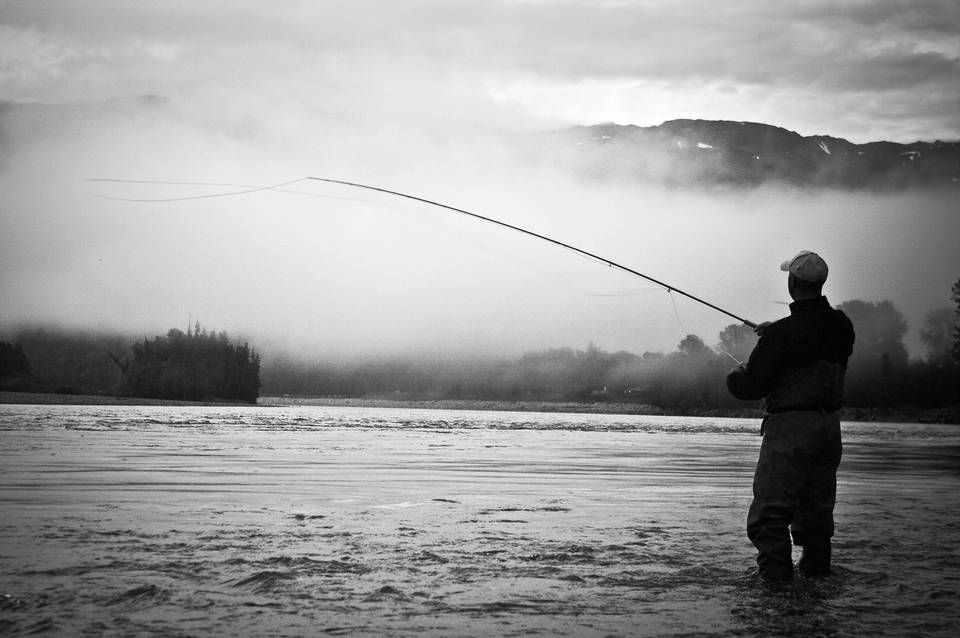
{"x":170,"y":183}
{"x":247,"y":188}
{"x":246,"y":191}
{"x":618,"y":295}
{"x":676,"y":313}
{"x":722,"y":351}
{"x":579,"y":251}
{"x":716,"y":348}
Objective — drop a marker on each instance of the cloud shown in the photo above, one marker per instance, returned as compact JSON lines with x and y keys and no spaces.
{"x":443,"y":56}
{"x":926,"y":17}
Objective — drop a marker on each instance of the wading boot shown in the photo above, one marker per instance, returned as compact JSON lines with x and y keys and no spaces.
{"x":775,"y":574}
{"x":815,"y":560}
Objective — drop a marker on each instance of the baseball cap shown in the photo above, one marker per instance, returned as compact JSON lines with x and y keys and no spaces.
{"x":808,"y":266}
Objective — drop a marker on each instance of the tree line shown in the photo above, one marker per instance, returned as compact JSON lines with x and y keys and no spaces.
{"x":880,"y":374}
{"x":192,"y":366}
{"x":197,"y":365}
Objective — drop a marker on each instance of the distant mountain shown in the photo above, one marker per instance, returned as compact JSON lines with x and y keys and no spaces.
{"x":723,"y":153}
{"x":682,"y":153}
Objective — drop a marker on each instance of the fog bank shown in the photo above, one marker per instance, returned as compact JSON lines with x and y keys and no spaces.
{"x":318,"y":268}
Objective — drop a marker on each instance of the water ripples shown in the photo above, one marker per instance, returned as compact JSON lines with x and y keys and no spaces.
{"x":170,"y":521}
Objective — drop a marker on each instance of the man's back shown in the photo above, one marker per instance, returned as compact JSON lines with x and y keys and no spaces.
{"x":813,"y":332}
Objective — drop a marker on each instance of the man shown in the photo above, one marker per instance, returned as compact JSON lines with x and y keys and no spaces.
{"x":798,"y":367}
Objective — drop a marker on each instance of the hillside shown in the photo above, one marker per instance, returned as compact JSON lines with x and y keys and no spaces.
{"x":681,"y":153}
{"x":706,"y":152}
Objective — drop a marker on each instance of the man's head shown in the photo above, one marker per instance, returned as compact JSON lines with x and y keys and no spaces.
{"x":808,"y":271}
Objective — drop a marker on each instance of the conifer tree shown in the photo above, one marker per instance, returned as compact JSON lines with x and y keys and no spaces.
{"x":194,"y":366}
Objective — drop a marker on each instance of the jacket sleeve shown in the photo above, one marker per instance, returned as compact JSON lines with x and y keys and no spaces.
{"x":758,"y":377}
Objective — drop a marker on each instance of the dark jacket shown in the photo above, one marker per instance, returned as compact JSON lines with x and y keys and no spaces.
{"x":799,"y":361}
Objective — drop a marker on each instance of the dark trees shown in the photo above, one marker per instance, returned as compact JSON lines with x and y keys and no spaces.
{"x":937,"y":334}
{"x":14,"y":367}
{"x":193,"y":367}
{"x":879,"y":358}
{"x":956,"y":329}
{"x":880,"y":375}
{"x":70,"y":361}
{"x":738,"y":341}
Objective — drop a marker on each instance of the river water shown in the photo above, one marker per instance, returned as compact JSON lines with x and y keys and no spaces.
{"x":118,"y":520}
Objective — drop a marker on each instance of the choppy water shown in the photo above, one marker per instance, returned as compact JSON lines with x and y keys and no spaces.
{"x":349,"y":521}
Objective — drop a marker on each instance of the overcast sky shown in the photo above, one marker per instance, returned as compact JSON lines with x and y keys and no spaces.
{"x":863,"y":70}
{"x":420,"y":96}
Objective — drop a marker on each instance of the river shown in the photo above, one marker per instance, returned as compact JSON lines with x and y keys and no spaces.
{"x":175,"y":521}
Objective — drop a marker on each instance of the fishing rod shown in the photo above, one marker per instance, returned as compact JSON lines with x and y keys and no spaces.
{"x":531,"y":233}
{"x":253,"y":189}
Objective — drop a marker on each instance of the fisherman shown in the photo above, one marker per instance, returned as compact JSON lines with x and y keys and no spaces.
{"x":797,"y":366}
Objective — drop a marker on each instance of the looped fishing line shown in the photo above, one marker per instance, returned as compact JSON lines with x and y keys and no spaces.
{"x":531,"y":233}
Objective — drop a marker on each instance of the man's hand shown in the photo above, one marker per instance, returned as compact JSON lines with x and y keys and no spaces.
{"x":761,"y":327}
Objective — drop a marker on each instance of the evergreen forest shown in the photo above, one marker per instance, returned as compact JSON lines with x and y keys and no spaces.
{"x":200,"y":366}
{"x":196,"y":365}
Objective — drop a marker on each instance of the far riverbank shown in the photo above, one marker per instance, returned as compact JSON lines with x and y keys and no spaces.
{"x":50,"y":398}
{"x":906,"y":414}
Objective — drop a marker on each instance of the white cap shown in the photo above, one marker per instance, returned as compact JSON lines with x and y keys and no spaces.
{"x":807,"y":266}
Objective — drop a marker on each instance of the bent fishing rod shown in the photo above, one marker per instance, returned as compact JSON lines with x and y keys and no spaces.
{"x":580,"y":251}
{"x":531,"y":233}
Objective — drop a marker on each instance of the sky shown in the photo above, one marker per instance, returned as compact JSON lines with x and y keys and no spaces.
{"x":863,"y":70}
{"x":425,"y":97}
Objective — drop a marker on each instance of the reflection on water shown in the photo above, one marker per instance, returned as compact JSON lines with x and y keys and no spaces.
{"x":351,"y":521}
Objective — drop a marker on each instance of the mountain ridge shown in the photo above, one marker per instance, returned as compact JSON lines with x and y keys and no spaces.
{"x":732,"y":153}
{"x":678,"y":152}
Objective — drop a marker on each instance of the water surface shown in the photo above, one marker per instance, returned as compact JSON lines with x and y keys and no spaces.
{"x":366,"y":521}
